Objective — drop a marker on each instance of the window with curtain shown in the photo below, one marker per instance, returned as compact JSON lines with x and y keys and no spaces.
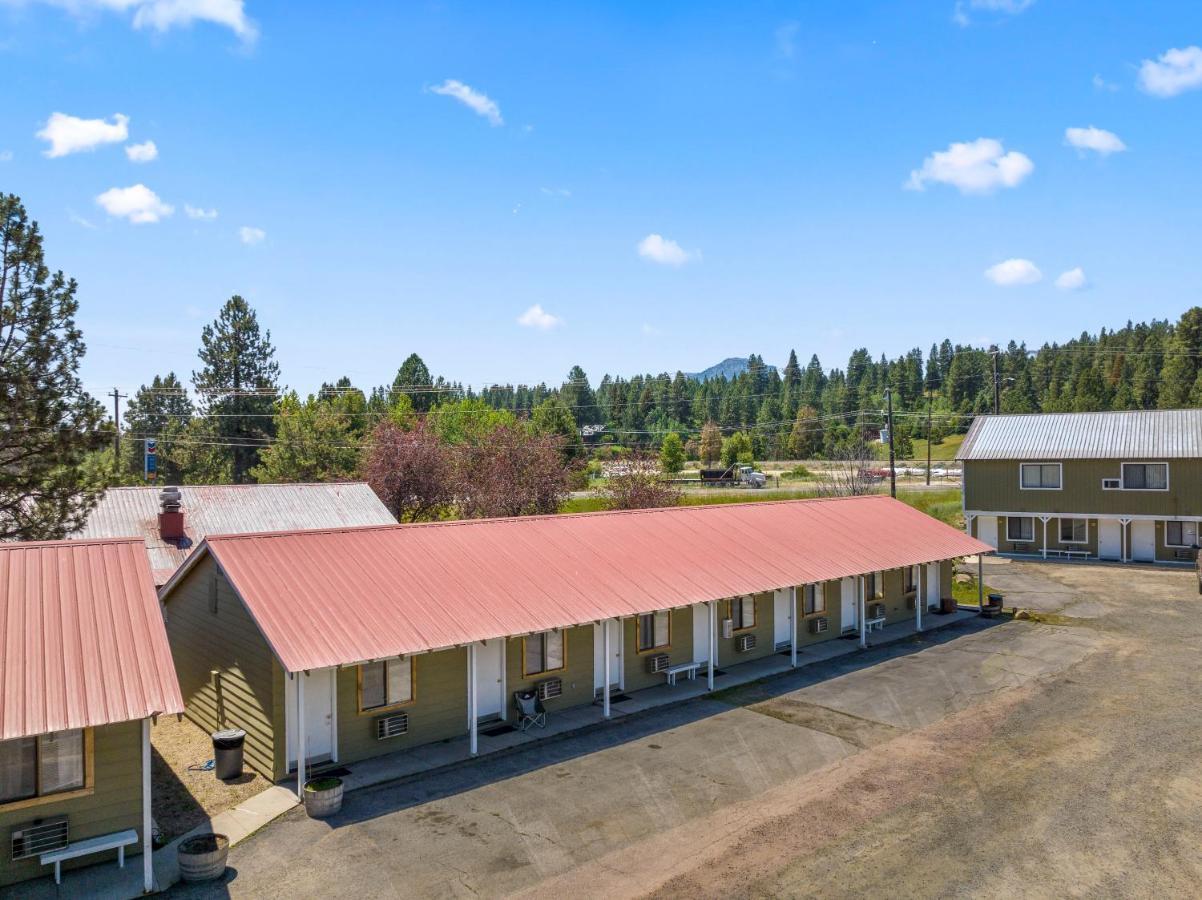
{"x":43,"y":765}
{"x":1020,"y":528}
{"x":1074,"y":531}
{"x":1145,"y":476}
{"x":655,"y":630}
{"x":813,"y":599}
{"x":909,"y":583}
{"x":742,"y":612}
{"x":1041,"y":476}
{"x":873,"y":586}
{"x":1180,"y":534}
{"x":386,"y":683}
{"x":542,"y":653}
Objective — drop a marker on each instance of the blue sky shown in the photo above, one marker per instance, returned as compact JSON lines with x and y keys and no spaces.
{"x":510,"y":189}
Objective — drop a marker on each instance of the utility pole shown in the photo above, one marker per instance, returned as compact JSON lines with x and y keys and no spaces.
{"x":892,"y":470}
{"x":928,"y":438}
{"x":996,"y":384}
{"x":117,"y":398}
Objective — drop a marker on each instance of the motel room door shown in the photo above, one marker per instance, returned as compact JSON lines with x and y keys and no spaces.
{"x":701,"y":633}
{"x":490,"y":679}
{"x":615,"y":656}
{"x":1110,"y":539}
{"x":850,"y":620}
{"x":1143,"y":540}
{"x":781,"y":614}
{"x":319,"y":716}
{"x":987,"y":530}
{"x":934,"y":601}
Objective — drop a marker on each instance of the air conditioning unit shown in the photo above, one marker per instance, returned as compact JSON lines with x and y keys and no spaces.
{"x":549,"y":689}
{"x":745,"y":642}
{"x":1111,"y":484}
{"x":39,"y":836}
{"x":392,"y":726}
{"x":877,"y":611}
{"x":728,"y":628}
{"x":820,"y":625}
{"x":658,"y":662}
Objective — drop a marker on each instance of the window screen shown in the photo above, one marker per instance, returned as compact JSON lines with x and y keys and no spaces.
{"x":1043,"y":476}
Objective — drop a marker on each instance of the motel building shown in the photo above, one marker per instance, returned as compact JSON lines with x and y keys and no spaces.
{"x":1122,"y":486}
{"x":336,"y":645}
{"x":84,"y":669}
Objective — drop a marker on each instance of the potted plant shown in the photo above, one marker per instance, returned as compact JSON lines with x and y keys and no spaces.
{"x":202,"y":856}
{"x":323,"y":796}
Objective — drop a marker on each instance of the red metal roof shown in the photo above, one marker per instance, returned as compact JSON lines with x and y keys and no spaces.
{"x":334,"y":597}
{"x":82,"y":637}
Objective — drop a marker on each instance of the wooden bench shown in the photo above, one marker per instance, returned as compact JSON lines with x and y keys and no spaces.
{"x":690,"y":669}
{"x":878,"y":623}
{"x":1069,"y":554}
{"x":117,"y":841}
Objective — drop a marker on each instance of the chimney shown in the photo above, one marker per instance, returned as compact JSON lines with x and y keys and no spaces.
{"x":171,"y":518}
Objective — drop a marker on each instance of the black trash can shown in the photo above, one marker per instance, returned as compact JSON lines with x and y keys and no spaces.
{"x":227,"y":752}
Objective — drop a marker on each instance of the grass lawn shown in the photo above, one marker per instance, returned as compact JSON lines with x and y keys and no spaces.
{"x":942,"y":452}
{"x":966,"y":591}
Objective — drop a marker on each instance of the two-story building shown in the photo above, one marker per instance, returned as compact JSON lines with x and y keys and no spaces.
{"x":1111,"y":485}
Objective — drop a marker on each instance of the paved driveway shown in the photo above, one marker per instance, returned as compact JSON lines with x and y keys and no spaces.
{"x":954,"y":763}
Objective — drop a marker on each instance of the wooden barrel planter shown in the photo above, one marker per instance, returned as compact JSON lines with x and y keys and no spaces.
{"x":202,"y":857}
{"x":323,"y":797}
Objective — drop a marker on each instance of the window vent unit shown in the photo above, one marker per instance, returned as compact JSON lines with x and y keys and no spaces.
{"x":658,"y":662}
{"x":878,"y":611}
{"x":820,"y":625}
{"x":1022,"y":548}
{"x":549,"y":689}
{"x":1183,"y":554}
{"x":745,"y":642}
{"x":39,"y":836}
{"x":1111,"y":484}
{"x":392,"y":726}
{"x":728,"y":628}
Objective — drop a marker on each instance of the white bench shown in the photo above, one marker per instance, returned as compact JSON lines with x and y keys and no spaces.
{"x":117,"y":841}
{"x":690,"y":669}
{"x":878,"y":623}
{"x":1070,"y":554}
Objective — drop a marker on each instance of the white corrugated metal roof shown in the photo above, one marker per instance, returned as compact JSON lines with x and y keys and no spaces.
{"x":231,"y":509}
{"x":1135,"y":434}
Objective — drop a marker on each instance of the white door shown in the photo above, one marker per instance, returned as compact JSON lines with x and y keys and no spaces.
{"x":490,"y":679}
{"x":319,"y":716}
{"x":781,"y":617}
{"x":1110,"y":539}
{"x":701,"y":634}
{"x":850,"y":621}
{"x":615,"y":655}
{"x":934,"y":601}
{"x":987,"y":530}
{"x":1143,"y":540}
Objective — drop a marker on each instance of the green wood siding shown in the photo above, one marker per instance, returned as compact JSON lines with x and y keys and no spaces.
{"x":763,"y":631}
{"x":992,"y":486}
{"x":635,"y":663}
{"x":243,"y":694}
{"x":577,"y":675}
{"x":115,"y":803}
{"x":438,"y":711}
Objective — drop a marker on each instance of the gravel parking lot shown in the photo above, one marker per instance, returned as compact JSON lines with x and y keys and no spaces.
{"x":1027,"y":758}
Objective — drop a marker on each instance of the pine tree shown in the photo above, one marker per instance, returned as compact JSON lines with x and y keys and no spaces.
{"x":413,"y":380}
{"x":238,"y":384}
{"x":49,"y":423}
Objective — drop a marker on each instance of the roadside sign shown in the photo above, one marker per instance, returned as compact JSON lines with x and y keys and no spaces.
{"x":152,"y":459}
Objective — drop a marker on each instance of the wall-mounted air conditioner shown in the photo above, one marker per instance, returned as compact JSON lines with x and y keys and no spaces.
{"x":549,"y":689}
{"x":745,"y":642}
{"x":392,"y":726}
{"x":820,"y":625}
{"x":658,"y":662}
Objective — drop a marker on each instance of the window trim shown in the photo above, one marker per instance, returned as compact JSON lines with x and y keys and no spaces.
{"x":89,"y":778}
{"x":878,"y":586}
{"x":915,"y":577}
{"x":1059,"y":467}
{"x":662,"y":648}
{"x":1060,"y":529}
{"x":819,"y":599}
{"x":755,"y":612}
{"x":1167,"y":522}
{"x":1136,"y":462}
{"x":563,"y":636}
{"x":377,"y":710}
{"x":1020,"y":540}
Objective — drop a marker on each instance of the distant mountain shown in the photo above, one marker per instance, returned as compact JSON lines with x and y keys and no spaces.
{"x":728,"y":368}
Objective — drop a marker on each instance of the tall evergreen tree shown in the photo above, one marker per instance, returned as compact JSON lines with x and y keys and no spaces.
{"x":238,"y":384}
{"x":160,"y":410}
{"x":49,"y":423}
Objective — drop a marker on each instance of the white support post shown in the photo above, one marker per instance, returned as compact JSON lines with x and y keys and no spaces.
{"x":709,"y":674}
{"x":968,"y":520}
{"x":860,"y":601}
{"x":473,"y":727}
{"x":920,"y":594}
{"x":1044,"y":519}
{"x":793,"y":626}
{"x":147,"y":825}
{"x":607,"y":667}
{"x":300,"y":735}
{"x":980,"y":582}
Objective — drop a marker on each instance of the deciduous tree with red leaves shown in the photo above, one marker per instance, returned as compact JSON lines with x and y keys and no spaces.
{"x":516,"y":472}
{"x":412,"y":471}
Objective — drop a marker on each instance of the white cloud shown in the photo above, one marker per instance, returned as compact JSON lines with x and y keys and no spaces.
{"x":650,"y":330}
{"x":6,"y":156}
{"x":1102,"y":84}
{"x":1005,"y":7}
{"x":251,"y":236}
{"x":142,"y":153}
{"x":1013,"y":272}
{"x":974,"y":167}
{"x":198,"y":212}
{"x":556,"y":192}
{"x":664,"y":251}
{"x":786,"y":39}
{"x":537,"y":317}
{"x":138,"y":203}
{"x":69,"y":134}
{"x":1174,"y":72}
{"x":1072,"y":280}
{"x":79,"y":220}
{"x":1099,"y":140}
{"x":162,"y":15}
{"x":472,"y":99}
